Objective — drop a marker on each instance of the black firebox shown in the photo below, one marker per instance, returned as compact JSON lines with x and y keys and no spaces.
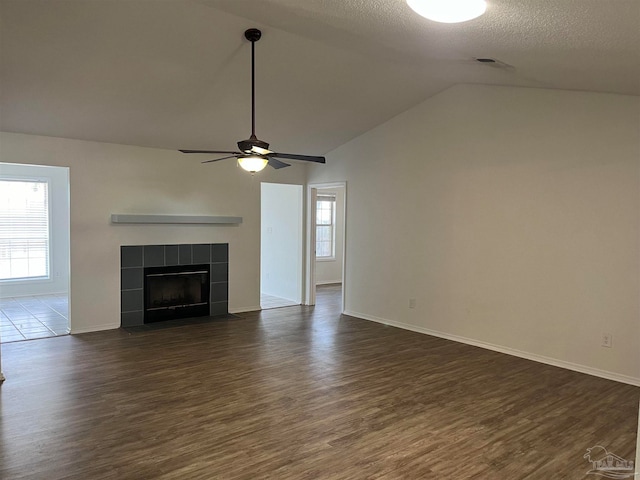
{"x":172,"y":292}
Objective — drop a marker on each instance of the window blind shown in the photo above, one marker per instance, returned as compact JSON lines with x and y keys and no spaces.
{"x":24,"y":229}
{"x":326,"y":197}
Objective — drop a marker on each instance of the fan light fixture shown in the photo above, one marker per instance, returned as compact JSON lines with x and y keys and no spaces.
{"x":448,"y":11}
{"x":252,"y":163}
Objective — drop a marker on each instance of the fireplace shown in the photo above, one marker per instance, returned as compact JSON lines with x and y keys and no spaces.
{"x":176,"y":292}
{"x":199,"y":271}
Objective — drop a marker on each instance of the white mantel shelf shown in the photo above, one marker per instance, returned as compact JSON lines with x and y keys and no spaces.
{"x":173,"y":219}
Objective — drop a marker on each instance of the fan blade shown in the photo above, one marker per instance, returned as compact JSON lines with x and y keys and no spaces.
{"x":216,"y":159}
{"x":209,"y":151}
{"x":277,"y":163}
{"x":295,"y":156}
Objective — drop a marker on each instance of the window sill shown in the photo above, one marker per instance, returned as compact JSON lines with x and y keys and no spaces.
{"x":8,"y":281}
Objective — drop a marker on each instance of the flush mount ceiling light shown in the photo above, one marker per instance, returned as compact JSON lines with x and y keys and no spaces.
{"x":448,"y":11}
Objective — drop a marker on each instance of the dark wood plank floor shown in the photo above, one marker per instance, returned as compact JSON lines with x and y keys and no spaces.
{"x":298,"y":393}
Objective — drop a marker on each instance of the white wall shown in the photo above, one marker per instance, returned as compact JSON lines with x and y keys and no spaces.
{"x":58,"y":282}
{"x":109,"y":178}
{"x":330,"y":271}
{"x":511,"y":215}
{"x":281,"y":244}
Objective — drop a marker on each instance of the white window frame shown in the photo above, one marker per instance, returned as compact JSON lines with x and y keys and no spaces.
{"x":327,"y":197}
{"x":47,"y":276}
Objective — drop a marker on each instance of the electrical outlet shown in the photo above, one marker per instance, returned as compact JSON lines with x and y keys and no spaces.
{"x":412,"y":303}
{"x":606,"y":340}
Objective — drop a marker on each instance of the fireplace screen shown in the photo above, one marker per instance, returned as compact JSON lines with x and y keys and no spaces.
{"x":176,"y":292}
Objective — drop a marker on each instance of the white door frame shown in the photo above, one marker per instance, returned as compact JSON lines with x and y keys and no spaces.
{"x":310,"y":264}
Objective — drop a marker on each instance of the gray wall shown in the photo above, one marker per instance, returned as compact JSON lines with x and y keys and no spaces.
{"x":107,"y":178}
{"x":510,"y":215}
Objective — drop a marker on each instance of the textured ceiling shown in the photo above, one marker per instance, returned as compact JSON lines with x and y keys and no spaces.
{"x":175,"y":73}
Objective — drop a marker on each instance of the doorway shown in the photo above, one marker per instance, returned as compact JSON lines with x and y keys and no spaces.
{"x":34,"y":252}
{"x":326,"y":242}
{"x":281,"y":245}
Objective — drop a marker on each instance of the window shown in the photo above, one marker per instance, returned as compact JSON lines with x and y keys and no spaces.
{"x":325,"y":225}
{"x":24,"y":229}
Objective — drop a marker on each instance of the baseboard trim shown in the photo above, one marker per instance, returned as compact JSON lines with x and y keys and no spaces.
{"x":245,"y":309}
{"x":94,"y":328}
{"x":501,"y":349}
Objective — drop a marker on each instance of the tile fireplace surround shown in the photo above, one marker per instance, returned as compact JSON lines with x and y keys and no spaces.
{"x":134,"y":258}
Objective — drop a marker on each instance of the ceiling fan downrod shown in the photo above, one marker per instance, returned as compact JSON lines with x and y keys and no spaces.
{"x":253,"y":35}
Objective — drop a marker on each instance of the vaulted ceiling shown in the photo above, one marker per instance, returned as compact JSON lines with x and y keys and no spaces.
{"x":176,"y":73}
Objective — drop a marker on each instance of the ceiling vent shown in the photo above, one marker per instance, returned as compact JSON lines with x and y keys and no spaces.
{"x":492,"y":62}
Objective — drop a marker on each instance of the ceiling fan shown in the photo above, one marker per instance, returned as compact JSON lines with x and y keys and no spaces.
{"x":254,"y":154}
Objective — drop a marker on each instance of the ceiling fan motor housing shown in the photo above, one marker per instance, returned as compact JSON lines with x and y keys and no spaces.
{"x":247,"y":145}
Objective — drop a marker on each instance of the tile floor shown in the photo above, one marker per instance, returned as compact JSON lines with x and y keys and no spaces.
{"x":269,"y":301}
{"x":26,"y":318}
